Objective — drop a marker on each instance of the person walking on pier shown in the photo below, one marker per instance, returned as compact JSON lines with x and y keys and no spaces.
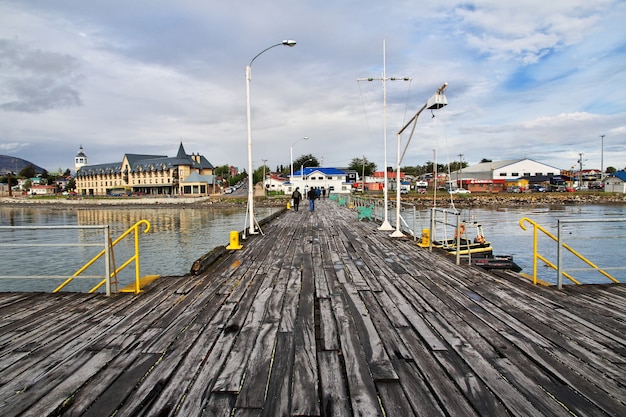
{"x":296,"y":196}
{"x":312,"y":194}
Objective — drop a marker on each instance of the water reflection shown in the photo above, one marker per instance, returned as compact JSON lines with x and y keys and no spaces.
{"x":178,"y":236}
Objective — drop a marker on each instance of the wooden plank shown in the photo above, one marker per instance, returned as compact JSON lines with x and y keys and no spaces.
{"x":328,"y":326}
{"x":181,"y":364}
{"x":107,"y":402}
{"x":417,"y":391}
{"x":393,"y":399}
{"x":335,"y":400}
{"x":231,"y":376}
{"x":447,"y":392}
{"x":304,"y":388}
{"x":392,"y":341}
{"x":279,"y":386}
{"x":377,"y":359}
{"x":252,"y":392}
{"x":363,"y":395}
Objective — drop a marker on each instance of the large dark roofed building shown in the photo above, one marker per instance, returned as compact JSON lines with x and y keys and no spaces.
{"x":149,"y":174}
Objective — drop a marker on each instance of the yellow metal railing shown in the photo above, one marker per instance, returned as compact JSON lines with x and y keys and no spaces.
{"x":557,"y":266}
{"x":136,"y":288}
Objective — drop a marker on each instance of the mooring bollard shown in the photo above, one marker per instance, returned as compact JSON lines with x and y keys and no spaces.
{"x":234,"y":241}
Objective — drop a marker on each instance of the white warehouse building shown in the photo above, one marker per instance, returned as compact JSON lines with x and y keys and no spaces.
{"x":506,"y":170}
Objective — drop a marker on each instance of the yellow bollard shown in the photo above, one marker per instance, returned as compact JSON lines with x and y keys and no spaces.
{"x":425,"y":238}
{"x":234,"y":241}
{"x":288,"y":205}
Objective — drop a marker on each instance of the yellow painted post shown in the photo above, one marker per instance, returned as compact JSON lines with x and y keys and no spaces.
{"x":234,"y":241}
{"x":288,"y":205}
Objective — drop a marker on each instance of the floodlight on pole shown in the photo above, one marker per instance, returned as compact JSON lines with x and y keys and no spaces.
{"x":385,"y":225}
{"x":436,"y":101}
{"x":250,"y":214}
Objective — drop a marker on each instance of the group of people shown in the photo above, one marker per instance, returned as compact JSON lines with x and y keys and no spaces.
{"x":313,"y":194}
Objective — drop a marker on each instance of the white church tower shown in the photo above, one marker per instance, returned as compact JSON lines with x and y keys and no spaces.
{"x":80,"y":159}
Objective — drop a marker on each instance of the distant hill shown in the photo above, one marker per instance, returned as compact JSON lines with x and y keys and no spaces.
{"x":15,"y":165}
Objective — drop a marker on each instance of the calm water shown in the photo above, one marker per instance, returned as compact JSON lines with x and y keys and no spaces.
{"x":179,"y":236}
{"x":602,"y":243}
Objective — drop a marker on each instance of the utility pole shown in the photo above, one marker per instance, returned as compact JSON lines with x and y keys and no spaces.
{"x":602,"y":157}
{"x":461,"y":170}
{"x":363,"y":177}
{"x":580,"y":170}
{"x":264,"y":187}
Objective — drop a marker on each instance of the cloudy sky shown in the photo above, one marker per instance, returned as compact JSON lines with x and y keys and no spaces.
{"x":531,"y":78}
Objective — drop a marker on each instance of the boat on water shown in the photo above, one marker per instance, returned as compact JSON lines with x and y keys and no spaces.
{"x":461,"y":243}
{"x":496,"y":262}
{"x":474,"y":248}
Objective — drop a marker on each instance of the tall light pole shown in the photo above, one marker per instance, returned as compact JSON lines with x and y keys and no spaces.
{"x":437,"y":101}
{"x":602,"y":157}
{"x":385,"y":225}
{"x":250,"y":173}
{"x":291,"y":157}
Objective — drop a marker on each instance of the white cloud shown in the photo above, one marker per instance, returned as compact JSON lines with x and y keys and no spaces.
{"x":529,"y":78}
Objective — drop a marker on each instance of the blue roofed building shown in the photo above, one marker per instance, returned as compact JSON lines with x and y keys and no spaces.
{"x":328,"y":179}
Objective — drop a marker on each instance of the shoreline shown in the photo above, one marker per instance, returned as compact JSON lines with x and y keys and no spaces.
{"x":472,"y":200}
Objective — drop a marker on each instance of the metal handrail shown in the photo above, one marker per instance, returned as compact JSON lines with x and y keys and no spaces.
{"x":105,"y":252}
{"x":105,"y":229}
{"x":559,"y":266}
{"x":378,"y":204}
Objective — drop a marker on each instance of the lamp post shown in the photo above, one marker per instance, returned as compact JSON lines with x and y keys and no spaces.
{"x":437,"y":101}
{"x":302,"y":174}
{"x":291,"y":157}
{"x":250,"y":173}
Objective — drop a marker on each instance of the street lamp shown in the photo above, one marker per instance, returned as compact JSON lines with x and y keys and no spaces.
{"x":291,"y":157}
{"x":302,"y":174}
{"x":250,"y":213}
{"x":437,"y":101}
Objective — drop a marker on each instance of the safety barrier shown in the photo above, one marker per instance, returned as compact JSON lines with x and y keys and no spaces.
{"x":409,"y":225}
{"x":558,"y":266}
{"x":109,"y":279}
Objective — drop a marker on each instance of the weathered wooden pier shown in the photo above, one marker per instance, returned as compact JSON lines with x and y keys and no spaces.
{"x":322,"y":316}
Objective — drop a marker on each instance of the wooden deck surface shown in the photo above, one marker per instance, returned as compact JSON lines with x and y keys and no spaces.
{"x":322,"y":316}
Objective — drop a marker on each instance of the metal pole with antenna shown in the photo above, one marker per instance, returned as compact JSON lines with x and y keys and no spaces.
{"x":386,"y":225}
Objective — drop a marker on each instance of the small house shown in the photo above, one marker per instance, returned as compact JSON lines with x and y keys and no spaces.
{"x":616,"y":183}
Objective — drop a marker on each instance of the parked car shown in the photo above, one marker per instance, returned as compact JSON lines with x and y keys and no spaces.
{"x":538,"y":189}
{"x":459,"y":191}
{"x":514,"y":189}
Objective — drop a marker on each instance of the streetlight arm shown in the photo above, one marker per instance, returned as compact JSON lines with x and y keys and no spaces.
{"x":288,"y":42}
